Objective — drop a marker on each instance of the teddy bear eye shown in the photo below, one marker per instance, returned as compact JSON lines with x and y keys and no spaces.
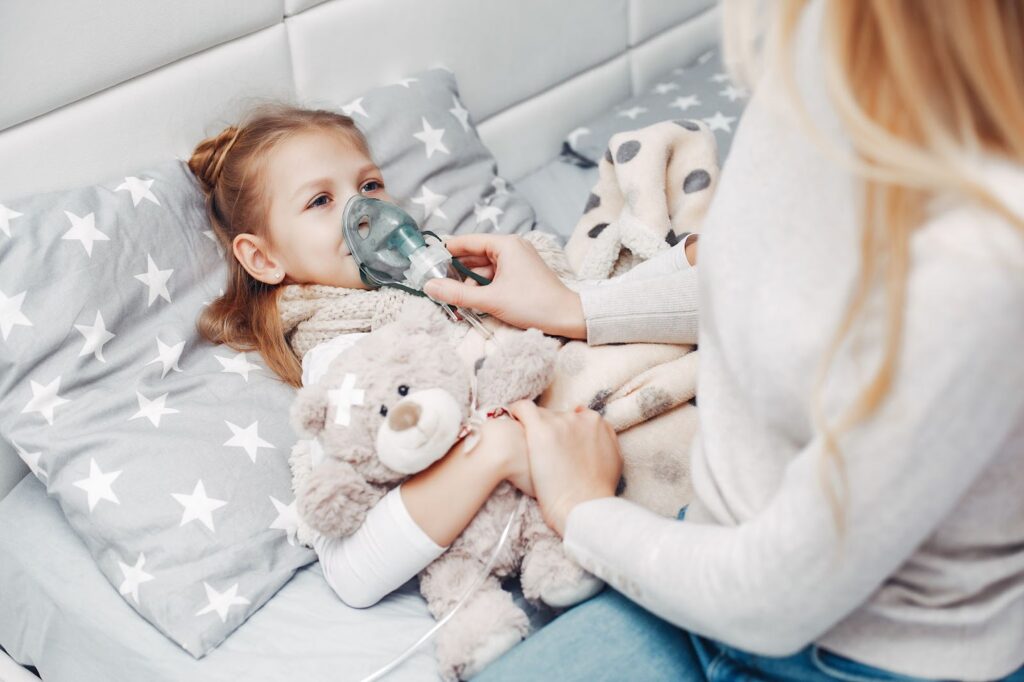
{"x":383,"y":410}
{"x":403,"y":390}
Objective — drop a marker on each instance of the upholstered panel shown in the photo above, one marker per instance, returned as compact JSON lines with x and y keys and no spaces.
{"x":292,"y":7}
{"x":501,"y":52}
{"x":53,"y":52}
{"x":526,"y":135}
{"x":648,"y":18}
{"x":677,"y":45}
{"x":146,"y":120}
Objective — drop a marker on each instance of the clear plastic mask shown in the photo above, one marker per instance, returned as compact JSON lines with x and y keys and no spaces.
{"x":390,"y":250}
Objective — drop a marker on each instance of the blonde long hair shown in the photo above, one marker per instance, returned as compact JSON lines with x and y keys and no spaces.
{"x":230,"y":170}
{"x":921,"y":87}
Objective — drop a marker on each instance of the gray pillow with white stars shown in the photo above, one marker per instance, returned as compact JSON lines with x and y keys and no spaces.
{"x":168,"y":455}
{"x":433,"y":160}
{"x":701,"y":90}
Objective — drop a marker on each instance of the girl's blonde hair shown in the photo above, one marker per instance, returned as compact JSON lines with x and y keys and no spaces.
{"x":922,"y":88}
{"x":230,"y":168}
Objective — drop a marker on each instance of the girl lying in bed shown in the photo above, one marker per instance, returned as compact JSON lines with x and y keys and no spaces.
{"x":275,"y":189}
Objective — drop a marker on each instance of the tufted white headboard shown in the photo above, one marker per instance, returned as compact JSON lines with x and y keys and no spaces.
{"x":92,"y":90}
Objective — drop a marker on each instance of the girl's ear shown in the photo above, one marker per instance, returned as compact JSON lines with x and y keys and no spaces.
{"x":309,"y":410}
{"x":253,"y":254}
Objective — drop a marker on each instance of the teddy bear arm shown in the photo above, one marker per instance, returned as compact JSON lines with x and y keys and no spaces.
{"x":335,"y":498}
{"x":520,"y":368}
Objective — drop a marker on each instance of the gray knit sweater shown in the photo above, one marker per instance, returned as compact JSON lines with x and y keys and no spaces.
{"x":928,"y":579}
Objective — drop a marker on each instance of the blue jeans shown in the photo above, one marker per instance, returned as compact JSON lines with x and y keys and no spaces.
{"x":611,"y":638}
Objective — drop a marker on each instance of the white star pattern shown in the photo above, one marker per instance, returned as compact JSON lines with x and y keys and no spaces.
{"x":84,"y":230}
{"x":10,"y":313}
{"x":733,"y":93}
{"x":287,"y":519}
{"x":45,"y":399}
{"x":720,"y":78}
{"x":139,"y":189}
{"x":239,"y":365}
{"x":632,"y":112}
{"x":167,"y":356}
{"x":156,"y":280}
{"x":500,"y":186}
{"x":6,"y":216}
{"x":95,"y":337}
{"x":97,"y":486}
{"x":152,"y":409}
{"x":720,"y":122}
{"x":664,"y":88}
{"x":575,"y":135}
{"x":460,"y":112}
{"x":484,"y":213}
{"x":405,"y":82}
{"x":431,"y":138}
{"x":133,"y":577}
{"x":198,"y":507}
{"x":684,"y":103}
{"x":248,"y":439}
{"x":431,"y":203}
{"x":220,"y":602}
{"x":354,"y":107}
{"x":31,"y":459}
{"x":705,"y":57}
{"x":344,"y":398}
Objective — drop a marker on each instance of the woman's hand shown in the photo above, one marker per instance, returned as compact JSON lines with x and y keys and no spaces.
{"x":574,"y":457}
{"x":505,"y":439}
{"x":524,"y":292}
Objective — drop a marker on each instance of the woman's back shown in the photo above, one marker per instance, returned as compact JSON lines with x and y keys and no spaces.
{"x":939,"y":466}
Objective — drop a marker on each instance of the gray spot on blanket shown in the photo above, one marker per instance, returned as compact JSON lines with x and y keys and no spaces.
{"x":593,"y":201}
{"x":687,"y":123}
{"x":627,"y":150}
{"x":600,"y":401}
{"x":596,"y":230}
{"x":696,"y":181}
{"x":653,"y":401}
{"x":668,"y":468}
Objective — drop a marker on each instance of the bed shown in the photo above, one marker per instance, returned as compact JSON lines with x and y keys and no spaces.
{"x":99,"y":90}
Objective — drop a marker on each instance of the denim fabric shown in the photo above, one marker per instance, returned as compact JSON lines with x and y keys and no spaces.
{"x":609,"y":638}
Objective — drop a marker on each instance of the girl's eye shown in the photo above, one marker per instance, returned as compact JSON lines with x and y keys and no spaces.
{"x":317,"y":203}
{"x":373,"y":184}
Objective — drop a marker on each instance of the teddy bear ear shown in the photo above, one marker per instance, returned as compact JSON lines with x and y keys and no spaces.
{"x":309,"y":410}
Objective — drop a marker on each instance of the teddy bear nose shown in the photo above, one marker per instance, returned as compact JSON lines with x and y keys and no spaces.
{"x":405,"y":416}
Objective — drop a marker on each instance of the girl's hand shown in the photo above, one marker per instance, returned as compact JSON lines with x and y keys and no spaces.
{"x":524,"y":292}
{"x":506,"y":439}
{"x":574,"y":457}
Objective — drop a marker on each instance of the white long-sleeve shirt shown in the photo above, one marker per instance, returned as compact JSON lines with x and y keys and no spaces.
{"x":389,"y":547}
{"x":928,"y":577}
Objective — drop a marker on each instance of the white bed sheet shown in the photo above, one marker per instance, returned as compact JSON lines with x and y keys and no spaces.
{"x":58,"y":613}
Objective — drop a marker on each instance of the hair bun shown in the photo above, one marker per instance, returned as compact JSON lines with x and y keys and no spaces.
{"x":208,"y":158}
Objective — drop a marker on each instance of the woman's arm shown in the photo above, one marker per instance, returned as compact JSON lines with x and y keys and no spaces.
{"x":413,"y":524}
{"x":783,"y":578}
{"x":654,"y":302}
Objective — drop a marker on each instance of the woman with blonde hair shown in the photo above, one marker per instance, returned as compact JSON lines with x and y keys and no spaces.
{"x":864,"y":521}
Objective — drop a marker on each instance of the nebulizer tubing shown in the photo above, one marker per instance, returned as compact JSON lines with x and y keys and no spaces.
{"x":401,"y":658}
{"x":392,"y":251}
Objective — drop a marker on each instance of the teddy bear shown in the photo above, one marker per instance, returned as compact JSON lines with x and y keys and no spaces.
{"x":390,"y":406}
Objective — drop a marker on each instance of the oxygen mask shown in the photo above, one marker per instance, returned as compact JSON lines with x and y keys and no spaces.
{"x":392,"y":251}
